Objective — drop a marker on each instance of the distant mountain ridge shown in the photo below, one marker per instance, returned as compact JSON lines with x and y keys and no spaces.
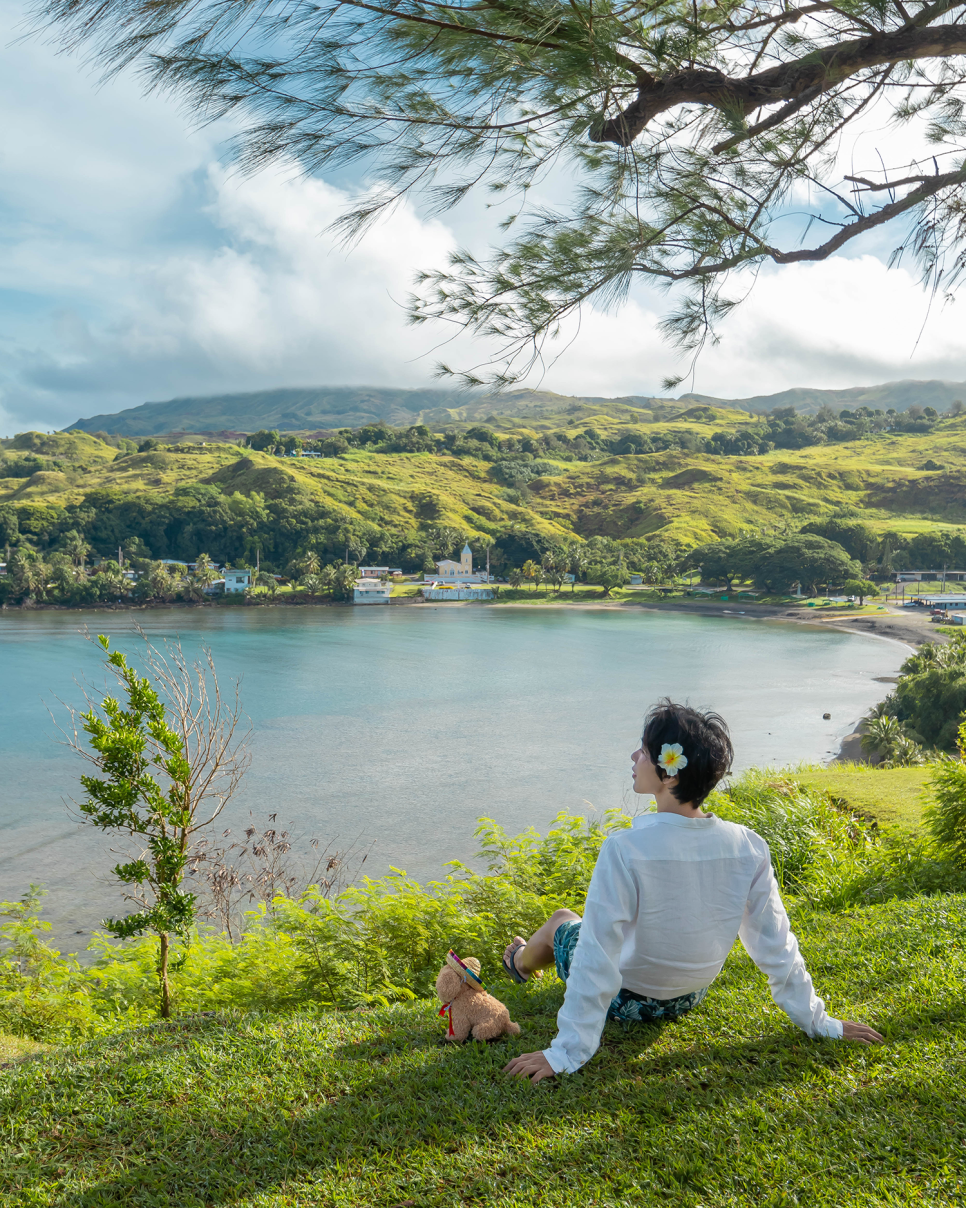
{"x":311,"y":408}
{"x":299,"y":410}
{"x":900,"y":395}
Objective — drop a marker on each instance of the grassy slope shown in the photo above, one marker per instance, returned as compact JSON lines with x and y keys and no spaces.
{"x":892,"y":796}
{"x":691,"y":496}
{"x":731,"y":1106}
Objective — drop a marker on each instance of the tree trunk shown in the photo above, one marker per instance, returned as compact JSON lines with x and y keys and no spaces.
{"x":163,"y":976}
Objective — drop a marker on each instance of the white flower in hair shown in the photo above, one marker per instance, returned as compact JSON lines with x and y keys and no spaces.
{"x":672,"y":758}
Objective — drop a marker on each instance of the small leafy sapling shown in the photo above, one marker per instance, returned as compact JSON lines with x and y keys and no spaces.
{"x":167,"y":762}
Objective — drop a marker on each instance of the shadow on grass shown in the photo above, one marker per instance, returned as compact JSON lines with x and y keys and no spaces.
{"x":401,"y":1107}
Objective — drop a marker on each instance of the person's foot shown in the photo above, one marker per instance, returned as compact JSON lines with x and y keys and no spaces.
{"x":516,"y":946}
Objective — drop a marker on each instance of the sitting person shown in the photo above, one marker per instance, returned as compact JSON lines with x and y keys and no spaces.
{"x":665,"y":903}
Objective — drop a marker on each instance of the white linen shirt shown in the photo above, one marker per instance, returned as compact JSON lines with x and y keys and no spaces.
{"x":667,"y":899}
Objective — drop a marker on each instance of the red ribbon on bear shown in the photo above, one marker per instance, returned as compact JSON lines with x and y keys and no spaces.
{"x":447,"y":1009}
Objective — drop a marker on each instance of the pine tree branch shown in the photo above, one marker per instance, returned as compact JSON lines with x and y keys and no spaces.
{"x":810,"y":76}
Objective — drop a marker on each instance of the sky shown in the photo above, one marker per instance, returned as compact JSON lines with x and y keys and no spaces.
{"x":137,"y":266}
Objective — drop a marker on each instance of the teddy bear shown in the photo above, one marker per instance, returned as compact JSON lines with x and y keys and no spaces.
{"x":468,"y":1006}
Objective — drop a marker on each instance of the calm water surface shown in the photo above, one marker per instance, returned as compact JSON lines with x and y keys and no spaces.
{"x":404,"y":725}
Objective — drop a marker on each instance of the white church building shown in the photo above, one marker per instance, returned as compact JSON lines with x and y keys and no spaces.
{"x":449,"y":571}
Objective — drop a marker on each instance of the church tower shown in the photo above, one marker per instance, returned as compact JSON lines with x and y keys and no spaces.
{"x":466,"y":560}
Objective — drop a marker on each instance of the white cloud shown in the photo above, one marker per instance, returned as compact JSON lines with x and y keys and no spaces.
{"x":273,"y":302}
{"x":837,"y":323}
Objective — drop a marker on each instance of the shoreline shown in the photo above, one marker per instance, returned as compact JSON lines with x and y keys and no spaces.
{"x":911,"y":629}
{"x":894,"y":625}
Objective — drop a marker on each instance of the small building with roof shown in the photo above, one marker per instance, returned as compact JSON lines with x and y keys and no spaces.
{"x":371,"y":591}
{"x":237,"y":581}
{"x":448,"y":571}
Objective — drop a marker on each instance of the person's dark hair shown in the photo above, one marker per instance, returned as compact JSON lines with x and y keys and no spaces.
{"x":704,"y":740}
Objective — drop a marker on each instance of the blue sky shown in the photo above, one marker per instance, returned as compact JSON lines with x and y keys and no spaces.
{"x":136,"y":267}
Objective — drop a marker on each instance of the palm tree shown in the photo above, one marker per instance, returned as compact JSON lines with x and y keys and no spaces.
{"x":65,"y":577}
{"x":530,"y":571}
{"x":484,"y":544}
{"x":314,"y":584}
{"x":76,"y":548}
{"x":352,"y":540}
{"x":269,"y":581}
{"x":577,"y":561}
{"x":205,"y":571}
{"x":515,"y":577}
{"x":29,"y":573}
{"x":161,"y":581}
{"x":906,"y":753}
{"x":556,"y":564}
{"x":881,"y":734}
{"x":883,"y":708}
{"x":111,"y":579}
{"x":310,"y":564}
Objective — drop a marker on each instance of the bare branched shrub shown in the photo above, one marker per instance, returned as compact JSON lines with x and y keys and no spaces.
{"x":232,"y":878}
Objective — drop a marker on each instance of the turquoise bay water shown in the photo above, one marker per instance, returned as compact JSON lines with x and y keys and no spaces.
{"x":401,"y":726}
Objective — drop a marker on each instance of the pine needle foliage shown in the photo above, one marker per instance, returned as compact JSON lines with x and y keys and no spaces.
{"x":688,"y":129}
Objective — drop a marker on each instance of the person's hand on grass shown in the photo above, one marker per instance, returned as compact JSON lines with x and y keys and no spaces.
{"x":530,"y":1065}
{"x":860,"y":1032}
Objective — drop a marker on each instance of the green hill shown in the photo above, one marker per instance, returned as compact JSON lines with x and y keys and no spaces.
{"x":328,"y":408}
{"x":336,"y":407}
{"x":590,"y":479}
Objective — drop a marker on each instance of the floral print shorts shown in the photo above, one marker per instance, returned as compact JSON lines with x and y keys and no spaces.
{"x":627,"y":1007}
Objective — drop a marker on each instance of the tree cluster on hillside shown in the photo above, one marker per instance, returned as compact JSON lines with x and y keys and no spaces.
{"x":478,"y":442}
{"x":884,"y":554}
{"x":781,"y":428}
{"x":64,"y":577}
{"x":775,"y":564}
{"x":50,"y":550}
{"x":828,"y":552}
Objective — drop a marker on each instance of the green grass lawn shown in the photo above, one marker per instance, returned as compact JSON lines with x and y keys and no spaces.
{"x":730,"y":1106}
{"x":890,"y":796}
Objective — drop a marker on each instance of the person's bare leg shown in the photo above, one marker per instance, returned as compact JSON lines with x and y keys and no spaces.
{"x":529,"y":956}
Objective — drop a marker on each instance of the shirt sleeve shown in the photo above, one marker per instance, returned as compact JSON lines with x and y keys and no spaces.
{"x":769,"y":940}
{"x":595,"y":976}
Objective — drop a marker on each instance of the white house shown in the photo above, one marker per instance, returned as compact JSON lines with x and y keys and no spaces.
{"x":376,"y":572}
{"x":237,"y":580}
{"x":449,"y":571}
{"x":371,"y":591}
{"x":459,"y":591}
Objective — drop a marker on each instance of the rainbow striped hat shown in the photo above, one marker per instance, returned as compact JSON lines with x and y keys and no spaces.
{"x":469,"y":970}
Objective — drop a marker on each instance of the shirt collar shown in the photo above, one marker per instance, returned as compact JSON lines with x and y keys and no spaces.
{"x":655,"y":819}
